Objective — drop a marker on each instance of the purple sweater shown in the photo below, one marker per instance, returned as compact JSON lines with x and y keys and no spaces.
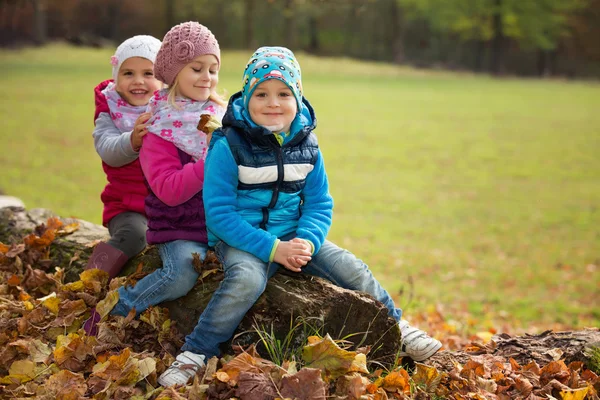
{"x":174,"y":206}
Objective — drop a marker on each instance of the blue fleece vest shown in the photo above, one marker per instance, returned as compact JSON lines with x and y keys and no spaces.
{"x":264,"y":164}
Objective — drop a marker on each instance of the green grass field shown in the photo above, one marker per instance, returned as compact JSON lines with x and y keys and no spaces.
{"x":478,"y":196}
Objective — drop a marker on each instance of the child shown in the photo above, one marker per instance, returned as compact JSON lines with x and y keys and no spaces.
{"x":172,"y":159}
{"x":268,"y":204}
{"x":120,"y":113}
{"x":119,"y":127}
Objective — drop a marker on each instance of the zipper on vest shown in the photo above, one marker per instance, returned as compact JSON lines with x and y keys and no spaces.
{"x":275,"y":196}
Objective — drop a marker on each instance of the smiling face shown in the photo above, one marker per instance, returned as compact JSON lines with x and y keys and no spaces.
{"x":136,"y":82}
{"x":199,"y":78}
{"x":273,"y":106}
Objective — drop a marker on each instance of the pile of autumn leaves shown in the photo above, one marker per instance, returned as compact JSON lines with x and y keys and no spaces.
{"x":46,"y":355}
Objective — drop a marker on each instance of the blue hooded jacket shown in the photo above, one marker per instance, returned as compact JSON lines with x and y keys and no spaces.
{"x":257,"y":191}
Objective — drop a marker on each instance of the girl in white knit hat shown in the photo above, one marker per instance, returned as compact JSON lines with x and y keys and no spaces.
{"x":119,"y":120}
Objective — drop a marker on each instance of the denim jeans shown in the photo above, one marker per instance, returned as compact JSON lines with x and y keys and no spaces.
{"x":175,"y":279}
{"x":246,"y":278}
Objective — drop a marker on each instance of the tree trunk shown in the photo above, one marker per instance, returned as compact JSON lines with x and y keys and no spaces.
{"x":169,"y":13}
{"x":290,"y":24}
{"x":313,"y":31}
{"x":114,"y":14}
{"x":40,"y":27}
{"x":249,"y":27}
{"x":288,"y":299}
{"x":479,"y":55}
{"x":498,"y":41}
{"x":397,"y":33}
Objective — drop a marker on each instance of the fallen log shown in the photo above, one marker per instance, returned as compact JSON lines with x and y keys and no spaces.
{"x":289,"y":298}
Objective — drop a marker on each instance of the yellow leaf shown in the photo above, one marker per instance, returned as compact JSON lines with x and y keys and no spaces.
{"x":146,"y":367}
{"x":94,"y":275}
{"x":314,"y":339}
{"x":28,"y":306}
{"x":427,"y":376}
{"x":327,"y":356}
{"x":21,"y":370}
{"x":222,"y":376}
{"x":14,"y":379}
{"x":575,"y":394}
{"x":486,"y":337}
{"x":359,"y":364}
{"x":77,"y":286}
{"x":52,"y":304}
{"x":105,"y":305}
{"x":69,"y":228}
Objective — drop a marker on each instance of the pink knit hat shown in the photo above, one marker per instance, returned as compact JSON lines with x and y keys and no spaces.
{"x":181,"y":45}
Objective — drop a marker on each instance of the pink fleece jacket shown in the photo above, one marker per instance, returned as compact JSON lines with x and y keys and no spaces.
{"x":172,"y":182}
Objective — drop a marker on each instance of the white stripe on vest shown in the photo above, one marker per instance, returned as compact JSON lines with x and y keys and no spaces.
{"x":291,"y":173}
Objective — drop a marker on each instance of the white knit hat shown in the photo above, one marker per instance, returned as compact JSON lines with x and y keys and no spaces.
{"x":138,"y":46}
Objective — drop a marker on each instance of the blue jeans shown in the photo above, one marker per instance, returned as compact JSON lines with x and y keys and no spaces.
{"x":174,"y":280}
{"x":246,"y":279}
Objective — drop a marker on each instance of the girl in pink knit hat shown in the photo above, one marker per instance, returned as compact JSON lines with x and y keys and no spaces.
{"x":172,"y":159}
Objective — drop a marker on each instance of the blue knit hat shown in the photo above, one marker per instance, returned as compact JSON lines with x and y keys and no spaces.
{"x":272,"y":63}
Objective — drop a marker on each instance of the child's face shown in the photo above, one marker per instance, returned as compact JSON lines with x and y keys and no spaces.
{"x":198,"y":79}
{"x":273,"y":106}
{"x":136,"y":82}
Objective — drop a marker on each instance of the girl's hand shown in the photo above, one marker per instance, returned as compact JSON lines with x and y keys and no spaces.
{"x":293,"y":255}
{"x":139,"y":131}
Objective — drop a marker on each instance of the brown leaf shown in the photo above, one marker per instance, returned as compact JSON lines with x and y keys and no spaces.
{"x":554,"y":370}
{"x":37,"y":350}
{"x":351,"y":386}
{"x":523,"y":387}
{"x":15,"y":250}
{"x":252,"y":386}
{"x":306,"y":384}
{"x":472,"y":367}
{"x":245,"y":362}
{"x":38,"y":281}
{"x":66,"y":383}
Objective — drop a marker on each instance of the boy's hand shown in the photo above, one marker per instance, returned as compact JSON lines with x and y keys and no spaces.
{"x":293,"y":255}
{"x":300,"y":261}
{"x":139,"y":131}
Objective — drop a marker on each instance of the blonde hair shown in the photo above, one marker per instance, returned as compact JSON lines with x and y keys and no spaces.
{"x":173,"y":91}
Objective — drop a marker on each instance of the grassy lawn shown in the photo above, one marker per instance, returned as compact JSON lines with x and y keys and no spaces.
{"x":477,"y":197}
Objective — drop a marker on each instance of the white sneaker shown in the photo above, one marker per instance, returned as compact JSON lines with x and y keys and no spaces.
{"x":183,"y":368}
{"x":416,"y":344}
